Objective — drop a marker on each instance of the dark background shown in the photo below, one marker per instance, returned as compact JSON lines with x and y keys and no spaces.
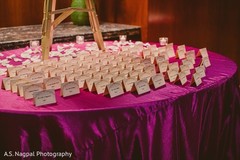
{"x":214,"y":24}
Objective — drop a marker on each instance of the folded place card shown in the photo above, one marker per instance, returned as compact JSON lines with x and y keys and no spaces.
{"x":188,"y":63}
{"x":138,"y":67}
{"x":182,"y":47}
{"x":173,"y":66}
{"x":128,"y":83}
{"x":118,"y":78}
{"x":150,"y":69}
{"x":52,"y":83}
{"x":202,"y":52}
{"x":180,"y":54}
{"x":206,"y":62}
{"x":201,"y":71}
{"x":185,"y":68}
{"x":108,"y":77}
{"x":20,"y":88}
{"x":134,"y":74}
{"x":144,"y":75}
{"x":30,"y":89}
{"x":172,"y":75}
{"x":141,"y":86}
{"x":63,"y":75}
{"x":114,"y":89}
{"x":36,"y":76}
{"x":81,"y":80}
{"x":157,"y":80}
{"x":100,"y":86}
{"x":182,"y":78}
{"x":55,"y":72}
{"x":160,"y":59}
{"x":6,"y":83}
{"x":44,"y":97}
{"x":24,"y":71}
{"x":12,"y":71}
{"x":196,"y":79}
{"x":69,"y":88}
{"x":163,"y":66}
{"x":170,"y":51}
{"x":38,"y":68}
{"x":71,"y":76}
{"x":14,"y":82}
{"x":89,"y":84}
{"x":146,"y":52}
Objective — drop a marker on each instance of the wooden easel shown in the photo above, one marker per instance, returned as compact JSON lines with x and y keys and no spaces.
{"x":49,"y":23}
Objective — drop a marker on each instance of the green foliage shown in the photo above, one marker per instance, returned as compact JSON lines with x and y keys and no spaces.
{"x":79,"y":18}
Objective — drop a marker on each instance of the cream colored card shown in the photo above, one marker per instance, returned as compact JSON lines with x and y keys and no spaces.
{"x":150,"y":69}
{"x":206,"y":62}
{"x":188,"y":63}
{"x":81,"y":80}
{"x":191,"y":59}
{"x":128,"y":83}
{"x":119,"y":58}
{"x":89,"y":72}
{"x":146,"y":52}
{"x":63,"y":75}
{"x":201,"y":71}
{"x":162,"y":49}
{"x":66,"y":58}
{"x":105,"y":61}
{"x":163,"y":66}
{"x":69,"y":89}
{"x":30,"y":89}
{"x":32,"y":65}
{"x":12,"y":71}
{"x":46,"y":70}
{"x":98,"y":75}
{"x":114,"y":89}
{"x":147,"y":61}
{"x":155,"y":53}
{"x":50,"y":62}
{"x":107,"y":77}
{"x":181,"y":54}
{"x":129,"y":66}
{"x":152,"y":48}
{"x":36,"y":76}
{"x":100,"y":86}
{"x":81,"y":69}
{"x":196,"y":79}
{"x":15,"y":82}
{"x":44,"y":97}
{"x":185,"y":69}
{"x":124,"y":71}
{"x":134,"y":74}
{"x":71,"y":76}
{"x":24,"y":71}
{"x":173,"y":66}
{"x":144,"y":75}
{"x":6,"y":83}
{"x":89,"y":84}
{"x":170,"y":51}
{"x":165,"y":55}
{"x":182,"y":47}
{"x":158,"y":80}
{"x":127,"y":59}
{"x":151,"y":57}
{"x":182,"y":77}
{"x":137,"y":60}
{"x":38,"y":68}
{"x":87,"y":65}
{"x":203,"y":52}
{"x":141,"y":86}
{"x":172,"y":75}
{"x":160,"y":59}
{"x":118,"y":78}
{"x":106,"y":67}
{"x":52,"y":83}
{"x":20,"y":88}
{"x":114,"y":69}
{"x":96,"y":67}
{"x":138,"y":67}
{"x":71,"y":67}
{"x":55,"y":72}
{"x":190,"y":54}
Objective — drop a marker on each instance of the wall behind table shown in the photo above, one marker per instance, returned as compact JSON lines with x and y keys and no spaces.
{"x":214,"y":24}
{"x":24,"y":12}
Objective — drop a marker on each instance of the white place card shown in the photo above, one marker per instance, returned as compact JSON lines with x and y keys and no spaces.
{"x":196,"y":79}
{"x":30,"y":89}
{"x":185,"y":68}
{"x":170,"y":51}
{"x":188,"y":63}
{"x":160,"y":59}
{"x":181,"y":54}
{"x":20,"y":88}
{"x":203,"y":52}
{"x":118,"y":78}
{"x":137,"y":60}
{"x":81,"y":80}
{"x":206,"y":62}
{"x":44,"y":97}
{"x":36,"y":76}
{"x":146,"y":52}
{"x":141,"y":87}
{"x":144,"y":75}
{"x":163,"y":66}
{"x":182,"y":47}
{"x":15,"y":82}
{"x":6,"y":83}
{"x":24,"y":71}
{"x":173,"y":66}
{"x":150,"y":69}
{"x":69,"y":89}
{"x":128,"y":83}
{"x":100,"y":86}
{"x":89,"y":84}
{"x":12,"y":71}
{"x":52,"y":83}
{"x":157,"y":80}
{"x":201,"y":71}
{"x":182,"y":77}
{"x":134,"y":74}
{"x":138,"y":67}
{"x":71,"y":76}
{"x":172,"y":75}
{"x":38,"y":68}
{"x":55,"y":72}
{"x":114,"y":89}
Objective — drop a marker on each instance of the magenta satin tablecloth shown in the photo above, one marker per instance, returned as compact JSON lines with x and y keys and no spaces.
{"x":173,"y":122}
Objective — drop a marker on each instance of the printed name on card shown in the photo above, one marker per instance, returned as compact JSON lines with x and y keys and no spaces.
{"x":141,"y":87}
{"x":15,"y":82}
{"x":81,"y":80}
{"x":24,"y":71}
{"x":188,"y":63}
{"x":12,"y":71}
{"x":52,"y":83}
{"x":144,"y":75}
{"x":201,"y":71}
{"x":157,"y":80}
{"x":163,"y":66}
{"x":69,"y":89}
{"x":30,"y":89}
{"x":206,"y":62}
{"x":172,"y":75}
{"x":170,"y":51}
{"x":185,"y":68}
{"x":173,"y":66}
{"x":196,"y":79}
{"x":203,"y":52}
{"x":182,"y":78}
{"x":44,"y":97}
{"x":36,"y":76}
{"x":180,"y":54}
{"x":128,"y":83}
{"x":6,"y":83}
{"x":100,"y":86}
{"x":114,"y":89}
{"x":182,"y":47}
{"x":89,"y":84}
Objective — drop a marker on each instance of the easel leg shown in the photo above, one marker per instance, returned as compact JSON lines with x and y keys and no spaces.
{"x":95,"y":24}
